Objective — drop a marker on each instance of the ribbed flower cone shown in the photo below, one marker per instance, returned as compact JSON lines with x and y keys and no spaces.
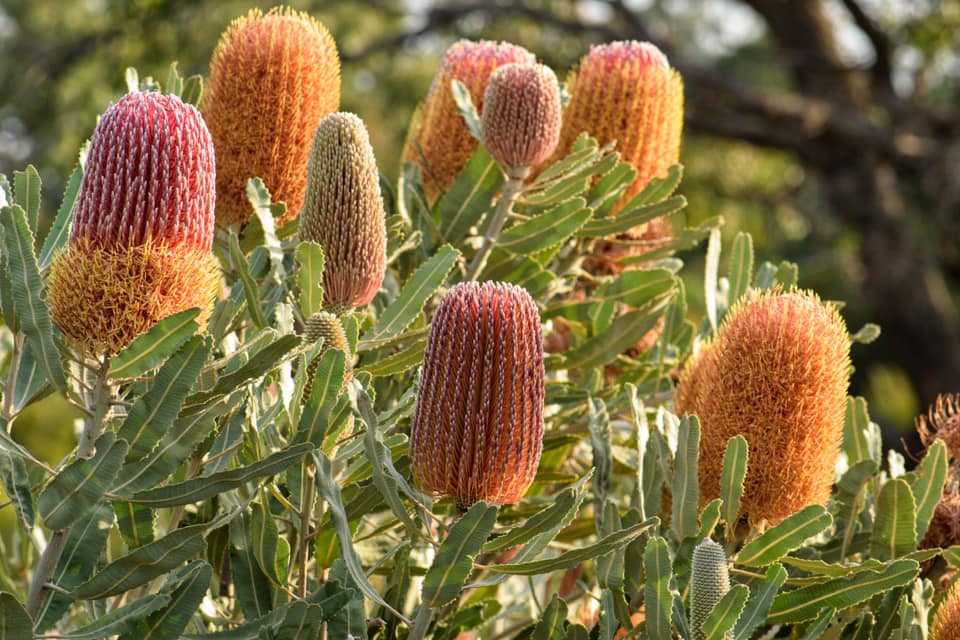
{"x":521,"y":116}
{"x":439,"y":141}
{"x":478,"y":427}
{"x":273,"y":77}
{"x":140,"y":246}
{"x":946,"y":620}
{"x":627,"y":91}
{"x":709,"y":582}
{"x":777,"y":373}
{"x":326,"y":326}
{"x":343,"y":212}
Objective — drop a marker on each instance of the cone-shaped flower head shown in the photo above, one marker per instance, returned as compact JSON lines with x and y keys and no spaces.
{"x":439,"y":141}
{"x":946,"y":620}
{"x":343,"y":212}
{"x":478,"y":427}
{"x":777,"y":373}
{"x":273,"y":77}
{"x":139,"y":249}
{"x":942,"y":422}
{"x":326,"y":326}
{"x":521,"y":116}
{"x":709,"y":582}
{"x":627,"y":91}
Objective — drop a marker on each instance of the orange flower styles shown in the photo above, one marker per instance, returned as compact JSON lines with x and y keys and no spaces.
{"x":946,"y":620}
{"x":777,"y":373}
{"x":273,"y":77}
{"x":343,"y":212}
{"x":140,"y":246}
{"x":627,"y":92}
{"x":478,"y":426}
{"x":439,"y":141}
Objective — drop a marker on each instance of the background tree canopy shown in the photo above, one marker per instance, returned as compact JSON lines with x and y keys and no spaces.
{"x":828,"y":129}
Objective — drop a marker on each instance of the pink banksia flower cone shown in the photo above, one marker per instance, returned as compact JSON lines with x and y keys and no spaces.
{"x":521,"y":116}
{"x":478,"y":426}
{"x":140,"y":246}
{"x":343,"y":212}
{"x":777,"y":373}
{"x":439,"y":140}
{"x":273,"y":77}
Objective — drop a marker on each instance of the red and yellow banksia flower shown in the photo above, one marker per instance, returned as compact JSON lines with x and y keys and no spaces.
{"x":439,"y":140}
{"x":627,"y":92}
{"x":140,"y":246}
{"x":343,"y":212}
{"x":478,"y":427}
{"x":273,"y":77}
{"x":776,"y":373}
{"x":521,"y":117}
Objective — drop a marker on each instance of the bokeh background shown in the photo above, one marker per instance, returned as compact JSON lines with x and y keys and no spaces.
{"x":829,"y":129}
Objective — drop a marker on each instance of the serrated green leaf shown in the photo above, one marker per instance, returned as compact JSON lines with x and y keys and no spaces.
{"x":16,"y":483}
{"x":169,"y":622}
{"x":686,"y":486}
{"x":894,"y":527}
{"x":26,"y":193}
{"x":454,"y":560}
{"x":259,"y":365}
{"x":658,"y":598}
{"x":583,"y":153}
{"x":27,"y":291}
{"x":149,"y":350}
{"x":251,"y":292}
{"x":636,"y":287}
{"x":709,"y":518}
{"x":327,"y":382}
{"x":624,"y":332}
{"x":758,"y":607}
{"x":396,"y":363}
{"x":630,"y":218}
{"x":265,"y":211}
{"x":805,"y":603}
{"x":270,"y":550}
{"x":120,"y":620}
{"x":553,"y":622}
{"x":469,"y":197}
{"x":135,"y":522}
{"x":15,"y":622}
{"x":610,"y":566}
{"x":546,"y":230}
{"x":81,"y":483}
{"x":855,"y":424}
{"x":60,"y":231}
{"x":927,"y":484}
{"x":461,"y":95}
{"x":816,"y":629}
{"x":731,"y":479}
{"x":598,"y":422}
{"x":741,"y":266}
{"x":726,"y":613}
{"x":31,"y":380}
{"x":310,"y":277}
{"x":780,"y":540}
{"x":609,"y":188}
{"x":144,"y":564}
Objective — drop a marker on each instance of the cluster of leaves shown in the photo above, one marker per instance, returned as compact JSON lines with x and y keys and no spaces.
{"x":225,"y":501}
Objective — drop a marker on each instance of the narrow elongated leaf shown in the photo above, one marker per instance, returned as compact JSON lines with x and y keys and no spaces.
{"x":454,"y":560}
{"x":465,"y":106}
{"x":251,"y":291}
{"x":265,"y":212}
{"x":731,"y":478}
{"x":805,"y":603}
{"x":755,"y":613}
{"x":310,"y":277}
{"x":404,"y":360}
{"x":630,"y":218}
{"x":637,"y":287}
{"x":16,"y":482}
{"x":469,"y":197}
{"x":816,"y":629}
{"x":270,"y":550}
{"x":27,"y":290}
{"x":927,"y":484}
{"x":31,"y":379}
{"x":546,"y":230}
{"x":741,"y":266}
{"x":15,"y":622}
{"x":599,"y":424}
{"x":780,"y":540}
{"x":327,"y":382}
{"x":686,"y":486}
{"x":26,"y":193}
{"x":623,"y":333}
{"x":415,"y":293}
{"x":121,"y":620}
{"x":552,"y":625}
{"x":253,"y":588}
{"x":149,"y":350}
{"x":202,"y":488}
{"x":169,"y":622}
{"x":154,"y":412}
{"x":610,"y":567}
{"x":82,"y":483}
{"x":258,"y":366}
{"x":60,"y":231}
{"x":135,"y":522}
{"x":726,"y":612}
{"x":144,"y":564}
{"x":894,"y":527}
{"x":855,"y":424}
{"x":658,"y":598}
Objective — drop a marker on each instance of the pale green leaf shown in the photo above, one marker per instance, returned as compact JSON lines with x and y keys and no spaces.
{"x":778,"y":541}
{"x":895,"y":527}
{"x":310,"y":277}
{"x":148,"y":350}
{"x":731,"y":479}
{"x":726,"y":613}
{"x":454,"y":560}
{"x":657,"y":592}
{"x":686,"y":487}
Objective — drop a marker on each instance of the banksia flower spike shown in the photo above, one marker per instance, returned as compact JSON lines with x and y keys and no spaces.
{"x":521,"y":116}
{"x":709,"y":582}
{"x":140,"y":246}
{"x":946,"y":620}
{"x":627,"y":92}
{"x":343,"y":212}
{"x":439,"y":140}
{"x":478,"y":427}
{"x":777,"y":373}
{"x":273,"y":77}
{"x":326,"y":326}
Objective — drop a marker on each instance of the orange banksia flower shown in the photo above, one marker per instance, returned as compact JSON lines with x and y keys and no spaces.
{"x":273,"y":77}
{"x":521,"y":116}
{"x":343,"y":212}
{"x":478,"y":427}
{"x":777,"y":373}
{"x":140,"y":246}
{"x":439,"y":141}
{"x":946,"y":620}
{"x":627,"y":91}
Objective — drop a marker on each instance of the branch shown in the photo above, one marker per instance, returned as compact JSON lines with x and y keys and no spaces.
{"x":881,"y":70}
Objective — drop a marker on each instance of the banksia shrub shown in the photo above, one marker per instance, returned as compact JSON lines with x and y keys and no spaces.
{"x":521,"y":116}
{"x":478,"y":427}
{"x":140,"y":246}
{"x":946,"y":620}
{"x":627,"y":91}
{"x":343,"y":212}
{"x":273,"y":77}
{"x":709,"y":582}
{"x":777,"y":373}
{"x":439,"y":140}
